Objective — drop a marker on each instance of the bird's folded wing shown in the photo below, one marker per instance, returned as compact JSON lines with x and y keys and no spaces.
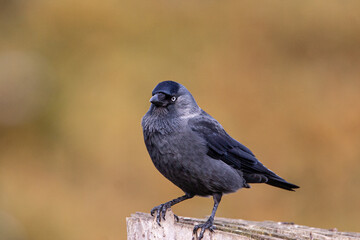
{"x":223,"y":147}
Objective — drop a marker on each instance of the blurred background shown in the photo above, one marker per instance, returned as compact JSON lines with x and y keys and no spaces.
{"x":76,"y":77}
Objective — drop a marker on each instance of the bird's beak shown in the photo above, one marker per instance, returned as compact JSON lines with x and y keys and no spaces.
{"x":157,"y":99}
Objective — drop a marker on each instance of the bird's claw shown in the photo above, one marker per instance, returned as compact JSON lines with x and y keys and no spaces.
{"x":207,"y":225}
{"x":161,"y":212}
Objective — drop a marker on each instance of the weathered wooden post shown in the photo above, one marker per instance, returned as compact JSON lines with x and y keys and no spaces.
{"x":142,"y":226}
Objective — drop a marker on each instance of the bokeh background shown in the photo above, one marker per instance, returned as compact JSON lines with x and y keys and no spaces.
{"x":283,"y":77}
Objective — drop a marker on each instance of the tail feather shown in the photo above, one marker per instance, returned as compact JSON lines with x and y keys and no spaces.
{"x":281,"y":183}
{"x":269,"y":178}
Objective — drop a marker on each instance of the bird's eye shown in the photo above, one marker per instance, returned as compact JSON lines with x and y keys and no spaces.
{"x":173,"y":98}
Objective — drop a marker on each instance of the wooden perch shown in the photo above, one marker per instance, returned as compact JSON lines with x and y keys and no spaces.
{"x":143,"y":226}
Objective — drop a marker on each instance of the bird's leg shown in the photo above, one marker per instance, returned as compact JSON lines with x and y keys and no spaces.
{"x":209,"y":223}
{"x":161,"y":209}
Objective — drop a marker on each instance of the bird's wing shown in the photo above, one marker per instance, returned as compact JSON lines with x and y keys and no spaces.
{"x":223,"y":147}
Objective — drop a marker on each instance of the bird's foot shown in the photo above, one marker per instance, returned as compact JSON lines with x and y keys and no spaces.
{"x":176,"y":218}
{"x":161,"y":212}
{"x":207,"y":225}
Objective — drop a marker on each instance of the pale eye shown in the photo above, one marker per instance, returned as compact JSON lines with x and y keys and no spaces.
{"x":173,"y":99}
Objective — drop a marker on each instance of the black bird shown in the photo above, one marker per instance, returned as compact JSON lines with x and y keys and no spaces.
{"x":193,"y":151}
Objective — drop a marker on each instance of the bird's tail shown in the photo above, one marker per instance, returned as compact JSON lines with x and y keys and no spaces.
{"x":281,"y":183}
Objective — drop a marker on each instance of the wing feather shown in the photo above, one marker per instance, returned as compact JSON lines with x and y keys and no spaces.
{"x":223,"y":147}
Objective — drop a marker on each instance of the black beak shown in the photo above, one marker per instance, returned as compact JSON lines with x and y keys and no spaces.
{"x":158,"y":99}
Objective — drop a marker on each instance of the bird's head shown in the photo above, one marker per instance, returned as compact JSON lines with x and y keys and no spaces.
{"x":173,"y":98}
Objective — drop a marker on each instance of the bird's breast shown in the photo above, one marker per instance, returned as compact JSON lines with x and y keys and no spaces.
{"x":174,"y":153}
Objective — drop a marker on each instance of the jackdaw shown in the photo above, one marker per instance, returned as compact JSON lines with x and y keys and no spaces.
{"x":193,"y":151}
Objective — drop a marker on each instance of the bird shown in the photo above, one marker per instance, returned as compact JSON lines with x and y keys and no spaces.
{"x":192,"y":150}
